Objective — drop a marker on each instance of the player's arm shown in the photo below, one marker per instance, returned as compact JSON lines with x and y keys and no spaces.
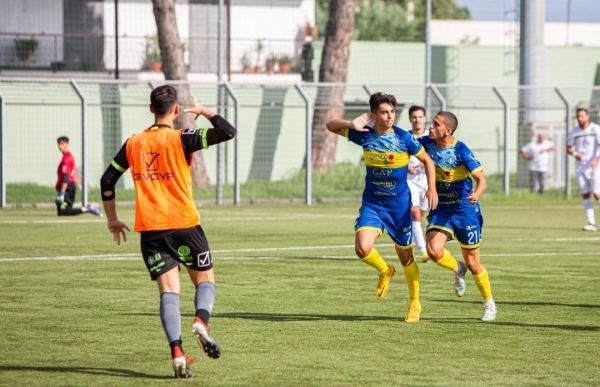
{"x":597,"y":161}
{"x":107,"y":187}
{"x":60,"y":198}
{"x":338,"y":126}
{"x":67,"y":170}
{"x":475,"y":194}
{"x":570,"y":147}
{"x":193,"y":140}
{"x":431,"y":193}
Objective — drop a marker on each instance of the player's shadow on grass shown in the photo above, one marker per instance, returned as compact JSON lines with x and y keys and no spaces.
{"x":527,"y":303}
{"x":284,"y":317}
{"x":528,"y":325}
{"x":86,"y":370}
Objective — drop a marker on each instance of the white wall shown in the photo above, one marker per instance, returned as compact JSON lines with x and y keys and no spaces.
{"x":498,"y":33}
{"x":278,"y":23}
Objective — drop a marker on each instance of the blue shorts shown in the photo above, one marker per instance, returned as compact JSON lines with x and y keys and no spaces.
{"x":465,"y":227}
{"x":398,"y":224}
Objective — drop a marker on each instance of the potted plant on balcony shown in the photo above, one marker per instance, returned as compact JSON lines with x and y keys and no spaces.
{"x":270,"y":63}
{"x":246,"y":61}
{"x":153,"y":58}
{"x":25,"y":47}
{"x":259,"y":49}
{"x":284,"y":64}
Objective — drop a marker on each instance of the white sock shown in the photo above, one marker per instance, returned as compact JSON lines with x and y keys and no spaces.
{"x":418,"y":238}
{"x":489,"y":302}
{"x":589,"y":211}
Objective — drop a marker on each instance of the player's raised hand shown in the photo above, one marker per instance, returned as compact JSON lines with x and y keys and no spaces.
{"x":118,"y":228}
{"x":472,"y":198}
{"x":197,"y":108}
{"x":360,"y":122}
{"x":432,"y":196}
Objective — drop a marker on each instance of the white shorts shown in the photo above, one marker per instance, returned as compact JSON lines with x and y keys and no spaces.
{"x":588,"y":180}
{"x":418,"y":188}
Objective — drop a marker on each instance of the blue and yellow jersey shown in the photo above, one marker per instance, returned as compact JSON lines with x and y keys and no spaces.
{"x":454,"y":167}
{"x":386,"y":158}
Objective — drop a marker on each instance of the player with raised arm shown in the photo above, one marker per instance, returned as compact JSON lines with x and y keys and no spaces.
{"x":417,"y":182}
{"x":160,"y":159}
{"x":458,"y":214}
{"x":386,"y":198}
{"x":583,"y":143}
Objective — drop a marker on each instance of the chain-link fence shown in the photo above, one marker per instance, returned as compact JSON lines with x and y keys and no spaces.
{"x":268,"y":158}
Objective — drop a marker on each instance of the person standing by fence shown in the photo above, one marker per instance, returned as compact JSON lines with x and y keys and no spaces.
{"x":537,"y":152}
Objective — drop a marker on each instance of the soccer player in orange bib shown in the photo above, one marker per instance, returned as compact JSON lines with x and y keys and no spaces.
{"x":160,"y":159}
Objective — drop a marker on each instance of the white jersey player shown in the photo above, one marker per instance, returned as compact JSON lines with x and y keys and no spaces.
{"x":417,"y":182}
{"x":583,"y":143}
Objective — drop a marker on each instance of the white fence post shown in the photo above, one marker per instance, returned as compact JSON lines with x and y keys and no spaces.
{"x":236,"y":142}
{"x":2,"y":154}
{"x":438,"y":95}
{"x":84,"y":184}
{"x":506,"y":139}
{"x":308,"y":187}
{"x":567,"y":128}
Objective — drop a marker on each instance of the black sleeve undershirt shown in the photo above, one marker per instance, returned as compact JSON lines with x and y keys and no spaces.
{"x":191,"y":140}
{"x":111,"y":175}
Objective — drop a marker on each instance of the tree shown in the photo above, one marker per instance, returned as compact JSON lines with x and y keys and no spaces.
{"x":381,"y":20}
{"x":173,"y":67}
{"x":440,"y":9}
{"x":391,"y":20}
{"x":334,"y":68}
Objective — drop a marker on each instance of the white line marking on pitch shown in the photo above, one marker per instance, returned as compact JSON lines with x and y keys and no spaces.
{"x":234,"y":219}
{"x":137,"y":256}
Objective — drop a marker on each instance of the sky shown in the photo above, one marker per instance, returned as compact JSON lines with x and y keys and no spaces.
{"x":582,"y":11}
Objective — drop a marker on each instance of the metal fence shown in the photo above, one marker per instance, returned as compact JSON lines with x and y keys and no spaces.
{"x":270,"y":157}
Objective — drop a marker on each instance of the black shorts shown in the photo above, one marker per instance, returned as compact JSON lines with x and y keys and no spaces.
{"x":164,"y":250}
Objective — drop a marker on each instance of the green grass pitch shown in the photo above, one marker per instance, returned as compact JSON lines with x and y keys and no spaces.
{"x":296,"y":308}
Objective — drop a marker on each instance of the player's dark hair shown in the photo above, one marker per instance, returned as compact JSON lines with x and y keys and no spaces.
{"x":162,"y":99}
{"x":415,"y":108}
{"x":450,"y":120}
{"x":62,"y":139}
{"x":378,"y":98}
{"x":582,"y":110}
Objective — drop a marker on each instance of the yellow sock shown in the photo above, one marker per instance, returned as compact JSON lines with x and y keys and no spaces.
{"x":411,"y":273}
{"x":375,"y":260}
{"x":448,"y":261}
{"x":482,"y":280}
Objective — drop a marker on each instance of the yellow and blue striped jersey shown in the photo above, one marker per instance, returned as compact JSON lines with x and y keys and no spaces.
{"x":454,"y":167}
{"x":386,"y":159}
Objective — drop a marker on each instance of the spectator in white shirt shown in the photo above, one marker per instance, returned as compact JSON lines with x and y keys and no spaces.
{"x":537,"y":152}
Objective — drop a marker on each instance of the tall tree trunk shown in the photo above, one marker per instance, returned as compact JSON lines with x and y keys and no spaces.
{"x":174,"y":68}
{"x":334,"y":68}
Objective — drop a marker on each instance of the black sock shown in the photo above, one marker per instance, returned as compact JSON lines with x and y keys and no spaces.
{"x":203,"y":315}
